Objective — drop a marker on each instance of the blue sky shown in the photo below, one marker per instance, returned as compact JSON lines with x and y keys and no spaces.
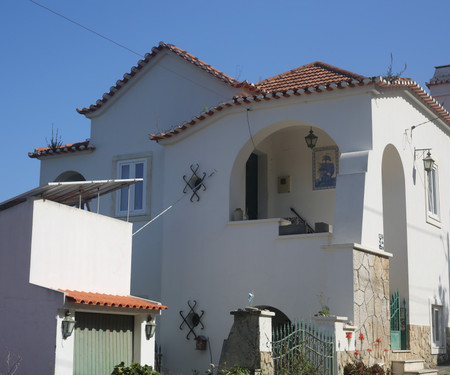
{"x":49,"y":66}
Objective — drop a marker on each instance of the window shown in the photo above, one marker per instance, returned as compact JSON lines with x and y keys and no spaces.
{"x":437,"y":334}
{"x":135,"y":193}
{"x":433,"y":193}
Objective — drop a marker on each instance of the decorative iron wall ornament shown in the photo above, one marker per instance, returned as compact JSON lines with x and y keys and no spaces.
{"x":194,"y":183}
{"x":192,"y":319}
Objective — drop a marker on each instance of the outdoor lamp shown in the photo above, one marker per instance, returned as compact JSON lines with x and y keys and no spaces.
{"x":428,"y":162}
{"x":311,"y":139}
{"x":67,"y":325}
{"x":150,"y":327}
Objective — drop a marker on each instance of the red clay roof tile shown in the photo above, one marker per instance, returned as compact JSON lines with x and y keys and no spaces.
{"x":314,"y":74}
{"x":109,"y":300}
{"x":349,"y":82}
{"x":63,"y":149}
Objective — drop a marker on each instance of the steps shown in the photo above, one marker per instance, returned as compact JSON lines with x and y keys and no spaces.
{"x":411,"y":367}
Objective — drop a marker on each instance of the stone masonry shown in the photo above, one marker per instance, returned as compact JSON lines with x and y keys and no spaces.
{"x":371,"y":309}
{"x":371,"y":298}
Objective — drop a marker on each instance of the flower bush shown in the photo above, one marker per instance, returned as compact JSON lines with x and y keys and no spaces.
{"x":359,"y":368}
{"x":134,"y":369}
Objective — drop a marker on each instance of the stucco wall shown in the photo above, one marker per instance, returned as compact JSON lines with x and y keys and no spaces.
{"x":427,"y":243}
{"x":121,"y":130}
{"x":79,"y":250}
{"x":28,"y":312}
{"x":193,"y":253}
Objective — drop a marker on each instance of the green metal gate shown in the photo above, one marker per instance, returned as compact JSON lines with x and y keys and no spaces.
{"x":299,"y":347}
{"x":399,"y":323}
{"x":101,"y":342}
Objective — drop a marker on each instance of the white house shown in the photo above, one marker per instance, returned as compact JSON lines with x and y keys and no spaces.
{"x":61,"y":265}
{"x":221,"y":151}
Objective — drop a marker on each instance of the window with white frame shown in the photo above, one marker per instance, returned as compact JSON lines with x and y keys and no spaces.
{"x":132,"y":199}
{"x":437,"y":334}
{"x":433,"y":193}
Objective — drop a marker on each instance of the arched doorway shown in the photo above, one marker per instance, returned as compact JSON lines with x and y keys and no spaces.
{"x":395,"y":240}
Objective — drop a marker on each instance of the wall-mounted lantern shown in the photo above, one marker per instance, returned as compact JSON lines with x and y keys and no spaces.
{"x":150,"y":327}
{"x":311,"y":139}
{"x":428,"y":161}
{"x":67,"y":325}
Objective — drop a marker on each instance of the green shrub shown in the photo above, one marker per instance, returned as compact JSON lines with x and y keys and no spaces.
{"x":235,"y":370}
{"x":359,"y":368}
{"x":134,"y":369}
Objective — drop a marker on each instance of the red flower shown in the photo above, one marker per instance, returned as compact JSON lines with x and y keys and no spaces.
{"x":361,"y":336}
{"x":369,"y":350}
{"x":375,"y":343}
{"x":348,"y":335}
{"x":356,"y":352}
{"x":386,"y":350}
{"x":378,"y":340}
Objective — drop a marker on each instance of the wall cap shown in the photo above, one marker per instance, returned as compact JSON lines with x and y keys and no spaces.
{"x":359,"y":247}
{"x":249,"y":310}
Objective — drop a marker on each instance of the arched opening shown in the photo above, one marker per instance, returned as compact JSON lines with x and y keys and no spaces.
{"x":69,"y":176}
{"x":395,"y":233}
{"x":73,"y":176}
{"x":280,"y":319}
{"x":279,"y":177}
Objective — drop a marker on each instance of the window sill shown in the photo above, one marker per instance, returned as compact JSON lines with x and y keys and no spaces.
{"x":438,"y":350}
{"x":434,"y":220}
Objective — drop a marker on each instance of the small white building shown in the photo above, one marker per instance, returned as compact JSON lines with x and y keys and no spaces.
{"x":61,"y":265}
{"x":353,"y":219}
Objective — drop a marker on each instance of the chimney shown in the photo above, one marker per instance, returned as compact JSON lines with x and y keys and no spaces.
{"x":439,"y":85}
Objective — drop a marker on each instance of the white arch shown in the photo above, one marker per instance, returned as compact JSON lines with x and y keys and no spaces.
{"x":394,"y":219}
{"x":282,"y":150}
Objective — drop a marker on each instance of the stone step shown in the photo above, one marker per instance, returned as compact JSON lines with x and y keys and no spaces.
{"x":426,"y":371}
{"x":407,"y":366}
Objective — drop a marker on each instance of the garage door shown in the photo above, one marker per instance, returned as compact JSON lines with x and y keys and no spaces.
{"x":101,"y":342}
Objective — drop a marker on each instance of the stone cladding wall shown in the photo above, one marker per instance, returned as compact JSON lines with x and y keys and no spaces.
{"x":371,"y":310}
{"x":371,"y":298}
{"x":420,"y":347}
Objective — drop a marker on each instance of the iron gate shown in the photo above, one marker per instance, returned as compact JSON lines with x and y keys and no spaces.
{"x":299,"y":348}
{"x":399,"y":323}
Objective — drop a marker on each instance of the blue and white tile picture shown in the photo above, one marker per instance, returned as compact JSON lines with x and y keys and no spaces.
{"x":325,"y":167}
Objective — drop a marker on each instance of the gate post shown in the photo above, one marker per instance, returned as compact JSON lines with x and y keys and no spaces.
{"x":249,"y":344}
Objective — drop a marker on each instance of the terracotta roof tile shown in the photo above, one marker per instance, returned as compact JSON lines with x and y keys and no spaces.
{"x":314,"y":74}
{"x":402,"y":83}
{"x":149,"y":56}
{"x":109,"y":300}
{"x":63,"y":149}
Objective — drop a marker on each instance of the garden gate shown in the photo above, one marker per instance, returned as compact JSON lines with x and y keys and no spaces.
{"x":298,"y":346}
{"x":399,"y":323}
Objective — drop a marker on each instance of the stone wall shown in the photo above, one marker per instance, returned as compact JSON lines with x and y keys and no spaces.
{"x":371,"y":310}
{"x":371,"y":298}
{"x":420,"y":347}
{"x":249,"y":343}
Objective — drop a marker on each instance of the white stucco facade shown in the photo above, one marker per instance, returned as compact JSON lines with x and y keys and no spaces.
{"x":196,"y":252}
